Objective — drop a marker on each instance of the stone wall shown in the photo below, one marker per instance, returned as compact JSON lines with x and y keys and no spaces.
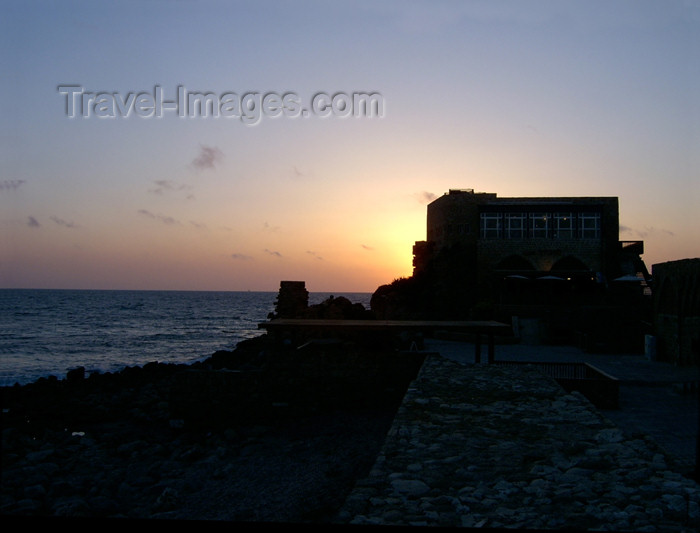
{"x":496,"y":447}
{"x":676,"y":295}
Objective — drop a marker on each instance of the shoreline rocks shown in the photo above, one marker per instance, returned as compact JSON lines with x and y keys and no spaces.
{"x":123,"y":445}
{"x":421,"y":443}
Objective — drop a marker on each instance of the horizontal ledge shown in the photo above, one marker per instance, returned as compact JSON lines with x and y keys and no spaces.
{"x":485,"y":326}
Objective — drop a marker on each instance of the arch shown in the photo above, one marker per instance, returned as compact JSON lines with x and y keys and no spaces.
{"x":570,"y":263}
{"x":514,"y":262}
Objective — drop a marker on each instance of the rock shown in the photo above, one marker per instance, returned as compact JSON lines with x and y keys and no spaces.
{"x":76,"y":375}
{"x":392,"y":516}
{"x":72,"y":507}
{"x":103,"y":506}
{"x":168,"y":500}
{"x":23,"y":507}
{"x":675,"y":503}
{"x":610,"y":435}
{"x":39,"y":456}
{"x":410,"y":487}
{"x":35,"y":492}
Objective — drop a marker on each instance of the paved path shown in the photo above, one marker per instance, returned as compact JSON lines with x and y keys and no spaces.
{"x":656,"y":398}
{"x":493,"y":446}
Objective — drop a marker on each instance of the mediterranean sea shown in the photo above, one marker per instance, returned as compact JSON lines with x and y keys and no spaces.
{"x":49,"y":332}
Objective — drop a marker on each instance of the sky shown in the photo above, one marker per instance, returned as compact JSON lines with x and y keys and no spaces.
{"x":109,"y":181}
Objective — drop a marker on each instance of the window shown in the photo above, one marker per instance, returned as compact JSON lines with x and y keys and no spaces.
{"x":589,"y":225}
{"x":515,"y":225}
{"x":563,"y":225}
{"x":539,"y":225}
{"x":490,"y":225}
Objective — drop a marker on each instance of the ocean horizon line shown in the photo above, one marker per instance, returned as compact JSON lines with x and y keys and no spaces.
{"x":259,"y":291}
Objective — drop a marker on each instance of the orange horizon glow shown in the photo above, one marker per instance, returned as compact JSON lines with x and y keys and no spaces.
{"x":517,"y":99}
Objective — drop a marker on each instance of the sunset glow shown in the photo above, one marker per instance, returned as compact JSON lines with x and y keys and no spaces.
{"x":531,"y":98}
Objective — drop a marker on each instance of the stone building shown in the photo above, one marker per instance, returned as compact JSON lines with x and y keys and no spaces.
{"x":677,"y":311}
{"x":573,"y":238}
{"x":540,"y":256}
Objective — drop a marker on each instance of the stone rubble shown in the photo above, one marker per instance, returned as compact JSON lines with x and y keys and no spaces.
{"x":498,"y":447}
{"x":245,"y":436}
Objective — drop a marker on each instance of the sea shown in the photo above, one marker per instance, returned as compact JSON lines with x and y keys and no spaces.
{"x":47,"y":332}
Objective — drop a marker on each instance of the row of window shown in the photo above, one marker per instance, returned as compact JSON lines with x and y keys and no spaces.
{"x":540,"y":225}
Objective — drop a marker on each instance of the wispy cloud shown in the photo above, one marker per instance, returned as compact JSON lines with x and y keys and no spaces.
{"x":11,"y":185}
{"x":645,"y":232}
{"x":165,"y":219}
{"x":33,"y":222}
{"x":64,"y":223}
{"x":241,"y":257}
{"x":301,"y":172}
{"x":425,"y":197}
{"x":198,"y":225}
{"x":273,"y":253}
{"x":267,"y":227}
{"x":367,"y":247}
{"x":165,"y":186}
{"x":314,"y":254}
{"x":207,"y":158}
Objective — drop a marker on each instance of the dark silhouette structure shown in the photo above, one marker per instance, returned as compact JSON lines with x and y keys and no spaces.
{"x":677,"y":311}
{"x":572,"y":238}
{"x":553,"y":265}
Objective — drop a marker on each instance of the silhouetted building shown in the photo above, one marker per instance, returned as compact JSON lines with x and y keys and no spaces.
{"x":552,"y":257}
{"x":677,"y":311}
{"x":503,"y":240}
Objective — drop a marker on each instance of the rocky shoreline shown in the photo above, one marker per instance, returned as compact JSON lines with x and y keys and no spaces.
{"x":252,"y":435}
{"x":337,"y":433}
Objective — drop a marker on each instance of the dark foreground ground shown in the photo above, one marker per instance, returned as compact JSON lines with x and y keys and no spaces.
{"x":243,"y":437}
{"x":256,"y":436}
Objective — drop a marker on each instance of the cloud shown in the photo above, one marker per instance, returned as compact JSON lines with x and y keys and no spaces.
{"x":301,"y":172}
{"x":163,"y":186}
{"x":241,"y":257}
{"x":267,"y":227}
{"x":367,"y":247}
{"x":198,"y":225}
{"x":425,"y":197}
{"x":64,"y":223}
{"x":33,"y":222}
{"x":627,"y":229}
{"x":208,"y":158}
{"x":645,"y":232}
{"x":314,"y":254}
{"x":165,"y":219}
{"x":271,"y":252}
{"x":11,"y":185}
